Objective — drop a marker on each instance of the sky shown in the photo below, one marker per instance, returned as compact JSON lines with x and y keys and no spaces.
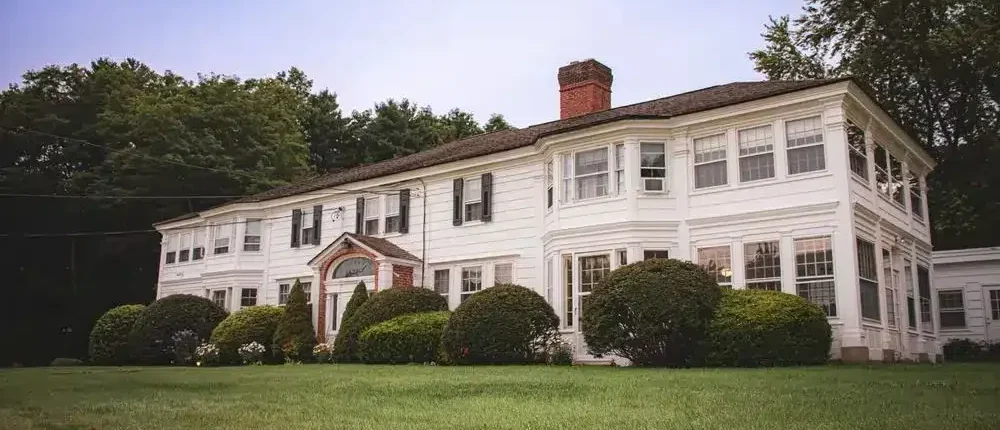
{"x":482,"y":57}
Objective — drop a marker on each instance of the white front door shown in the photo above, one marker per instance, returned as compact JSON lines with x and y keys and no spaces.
{"x":991,"y":301}
{"x":591,"y":269}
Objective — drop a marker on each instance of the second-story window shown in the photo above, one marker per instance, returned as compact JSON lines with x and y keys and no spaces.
{"x":756,"y":153}
{"x":858,"y":154}
{"x":653,"y":166}
{"x":590,"y":170}
{"x":392,"y":218}
{"x":710,"y":161}
{"x":371,"y":216}
{"x":171,"y":256}
{"x":220,"y":238}
{"x":567,"y":179}
{"x":896,"y":171}
{"x":473,"y":199}
{"x":804,"y":139}
{"x":251,"y":238}
{"x":916,"y":197}
{"x":185,"y":253}
{"x":620,"y":168}
{"x":198,"y":249}
{"x":549,"y":184}
{"x":882,"y":170}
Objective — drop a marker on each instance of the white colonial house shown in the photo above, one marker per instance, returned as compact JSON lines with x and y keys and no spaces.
{"x":807,"y":187}
{"x":968,"y":291}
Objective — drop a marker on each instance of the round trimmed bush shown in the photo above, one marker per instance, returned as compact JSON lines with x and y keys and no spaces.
{"x":253,"y":324}
{"x":767,"y":328}
{"x":411,"y":338}
{"x":384,"y":306}
{"x":501,"y":324}
{"x":653,"y":313}
{"x":109,"y":338}
{"x":150,"y":341}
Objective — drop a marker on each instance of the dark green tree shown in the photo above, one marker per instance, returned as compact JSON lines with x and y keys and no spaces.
{"x":295,"y":336}
{"x":496,"y":123}
{"x":358,"y":298}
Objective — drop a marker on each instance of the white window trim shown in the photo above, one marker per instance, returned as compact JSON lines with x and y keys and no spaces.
{"x":740,"y":156}
{"x":461,"y":279}
{"x":387,"y":215}
{"x":786,"y":148}
{"x":493,"y":271}
{"x":170,"y":246}
{"x":695,"y":164}
{"x":665,"y":169}
{"x":256,"y":298}
{"x":728,"y":246}
{"x":621,"y":186}
{"x":796,"y":280}
{"x":291,"y":284}
{"x":229,"y":225}
{"x":747,"y":281}
{"x":181,"y":248}
{"x":434,"y":285}
{"x":259,"y":235}
{"x":942,"y":309}
{"x":471,"y":199}
{"x":609,"y":153}
{"x":226,"y":299}
{"x":373,"y":202}
{"x":550,"y":179}
{"x":875,"y":258}
{"x":194,"y":244}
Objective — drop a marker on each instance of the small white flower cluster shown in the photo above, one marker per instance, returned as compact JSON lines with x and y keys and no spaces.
{"x":206,"y":354}
{"x":323,"y":352}
{"x":252,"y":353}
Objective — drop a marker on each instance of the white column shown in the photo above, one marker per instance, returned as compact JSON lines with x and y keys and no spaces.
{"x":738,"y":265}
{"x":631,"y":177}
{"x":384,"y":275}
{"x":787,"y":249}
{"x":678,"y":174}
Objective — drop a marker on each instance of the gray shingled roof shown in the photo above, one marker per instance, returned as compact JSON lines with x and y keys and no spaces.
{"x":384,"y":247}
{"x":491,"y":143}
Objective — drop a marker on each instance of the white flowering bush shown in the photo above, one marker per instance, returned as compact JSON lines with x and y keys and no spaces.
{"x":185,"y":342}
{"x":323,"y":352}
{"x":206,"y":354}
{"x":252,"y":353}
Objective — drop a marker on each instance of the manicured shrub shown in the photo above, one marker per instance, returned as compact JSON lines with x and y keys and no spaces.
{"x":358,"y":298}
{"x":767,"y":328}
{"x":501,"y":324}
{"x":151,"y":338}
{"x":410,"y":338}
{"x":653,"y":313}
{"x":295,"y":337}
{"x":206,"y":354}
{"x":970,"y":350}
{"x":185,"y":347}
{"x":560,"y":354}
{"x":252,"y":353}
{"x":383,"y":306}
{"x":323,"y":352}
{"x":109,"y":338}
{"x":253,"y":324}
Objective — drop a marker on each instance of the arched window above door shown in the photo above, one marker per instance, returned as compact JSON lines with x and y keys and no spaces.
{"x":353,"y":268}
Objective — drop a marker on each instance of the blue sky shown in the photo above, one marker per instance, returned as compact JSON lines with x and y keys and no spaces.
{"x":484,"y":57}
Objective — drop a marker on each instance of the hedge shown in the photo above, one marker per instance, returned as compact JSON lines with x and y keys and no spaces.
{"x":109,"y":337}
{"x":410,"y":338}
{"x":253,"y":324}
{"x":383,"y":306}
{"x":970,"y":350}
{"x":150,"y":341}
{"x":768,"y":328}
{"x":501,"y":324}
{"x":653,"y":313}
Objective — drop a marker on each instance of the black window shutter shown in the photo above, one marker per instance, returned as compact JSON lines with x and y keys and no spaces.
{"x":317,"y":223}
{"x":487,"y":182}
{"x":296,"y":226}
{"x":456,"y":218}
{"x":404,"y":210}
{"x":359,"y":217}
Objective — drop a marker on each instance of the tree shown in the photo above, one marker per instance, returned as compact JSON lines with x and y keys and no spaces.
{"x":358,"y":298}
{"x":496,"y":123}
{"x":295,"y":336}
{"x":935,"y":67}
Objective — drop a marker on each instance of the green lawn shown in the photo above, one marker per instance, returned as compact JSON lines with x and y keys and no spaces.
{"x":952,"y":396}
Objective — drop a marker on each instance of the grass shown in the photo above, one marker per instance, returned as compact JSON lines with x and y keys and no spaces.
{"x":422,"y":397}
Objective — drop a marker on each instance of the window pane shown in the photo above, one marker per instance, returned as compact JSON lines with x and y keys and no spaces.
{"x":858,"y":154}
{"x":503,"y":273}
{"x":472,"y":281}
{"x":869,"y":300}
{"x":803,"y":132}
{"x":371,"y":227}
{"x":371,"y":208}
{"x":442,"y":281}
{"x":283,"y":291}
{"x":248,"y":297}
{"x":814,"y":272}
{"x":716,"y":261}
{"x":591,"y":186}
{"x":808,"y":159}
{"x":820,"y":293}
{"x":650,"y":254}
{"x":473,"y":191}
{"x":756,"y":140}
{"x":710,"y":175}
{"x":757,"y":167}
{"x":763,"y":264}
{"x":568,"y":282}
{"x":473,"y":211}
{"x":253,"y":227}
{"x":896,"y":170}
{"x":594,"y":161}
{"x":592,"y":271}
{"x":392,"y":224}
{"x":392,"y":205}
{"x":711,"y":148}
{"x":867,"y":268}
{"x":652,"y":155}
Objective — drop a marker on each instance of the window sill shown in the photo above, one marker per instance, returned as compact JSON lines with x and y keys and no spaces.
{"x":654,"y":194}
{"x":861,"y":181}
{"x":470,"y":223}
{"x":871,"y":322}
{"x":953,"y":329}
{"x":807,"y":175}
{"x":592,"y":200}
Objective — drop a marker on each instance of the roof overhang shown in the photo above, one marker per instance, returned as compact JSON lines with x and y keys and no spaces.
{"x":349,"y":240}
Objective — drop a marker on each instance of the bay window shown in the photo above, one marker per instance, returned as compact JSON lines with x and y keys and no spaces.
{"x":710,"y":161}
{"x":762,"y":261}
{"x":756,"y":153}
{"x":653,"y":166}
{"x":503,"y":273}
{"x":858,"y":153}
{"x":814,"y":272}
{"x":717,"y":262}
{"x":590,"y":173}
{"x":220,"y":237}
{"x":804,"y":140}
{"x":620,"y":168}
{"x":219,"y":298}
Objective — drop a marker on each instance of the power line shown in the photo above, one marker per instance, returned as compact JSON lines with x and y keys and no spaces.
{"x":167,"y":197}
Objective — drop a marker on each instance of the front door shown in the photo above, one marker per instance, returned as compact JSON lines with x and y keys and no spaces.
{"x":592,"y":269}
{"x":991,"y":298}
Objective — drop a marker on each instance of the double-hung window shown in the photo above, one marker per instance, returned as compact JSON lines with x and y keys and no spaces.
{"x":306,"y":227}
{"x":814,"y":272}
{"x":889,"y":276}
{"x":916,"y":197}
{"x":763,"y":265}
{"x":503,"y":273}
{"x":473,"y":199}
{"x":804,"y":139}
{"x":285,"y":289}
{"x":185,"y":253}
{"x":219,"y":298}
{"x":198,"y":249}
{"x":568,"y":283}
{"x":924,"y":288}
{"x":653,"y":166}
{"x":951,"y":307}
{"x":898,"y":188}
{"x":911,"y":314}
{"x":171,"y":246}
{"x":590,"y":171}
{"x":472,"y":281}
{"x":392,"y":218}
{"x":620,"y":168}
{"x":868,"y":280}
{"x":652,"y":254}
{"x":710,"y":161}
{"x":882,"y":184}
{"x":548,"y":280}
{"x":756,"y":153}
{"x":567,"y":181}
{"x":248,"y":297}
{"x":251,"y":237}
{"x":442,"y":281}
{"x":371,"y":216}
{"x":220,"y":237}
{"x":717,"y":261}
{"x":549,"y":184}
{"x":858,"y":154}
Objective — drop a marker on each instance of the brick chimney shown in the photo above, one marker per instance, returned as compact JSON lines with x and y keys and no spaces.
{"x":584,"y":87}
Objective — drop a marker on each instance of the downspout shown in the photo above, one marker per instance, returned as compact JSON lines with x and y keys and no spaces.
{"x":423,"y":235}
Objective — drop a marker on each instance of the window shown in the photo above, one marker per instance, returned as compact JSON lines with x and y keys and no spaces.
{"x":858,"y":154}
{"x":472,"y":281}
{"x":814,"y":272}
{"x":198,"y":249}
{"x":591,"y":173}
{"x":503,"y":273}
{"x":333,"y":312}
{"x":442,"y":280}
{"x":548,"y":280}
{"x":911,"y":314}
{"x":896,"y":170}
{"x":171,"y":256}
{"x":882,"y":170}
{"x":371,"y":216}
{"x":868,"y":280}
{"x":473,"y":198}
{"x":220,"y":236}
{"x":622,"y":257}
{"x":285,"y":289}
{"x":219,"y":298}
{"x":248,"y":297}
{"x":306,"y":225}
{"x":568,"y":281}
{"x":567,"y":174}
{"x":307,"y":289}
{"x":924,"y":286}
{"x":763,"y":265}
{"x":756,"y":153}
{"x":549,"y":184}
{"x":710,"y":161}
{"x":916,"y":197}
{"x":650,"y":254}
{"x":890,"y":277}
{"x":353,"y":268}
{"x":805,"y":145}
{"x":592,"y":271}
{"x":251,"y":238}
{"x":620,"y":169}
{"x":716,"y":261}
{"x":952,"y":309}
{"x":653,"y":166}
{"x":185,"y":252}
{"x":392,"y":218}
